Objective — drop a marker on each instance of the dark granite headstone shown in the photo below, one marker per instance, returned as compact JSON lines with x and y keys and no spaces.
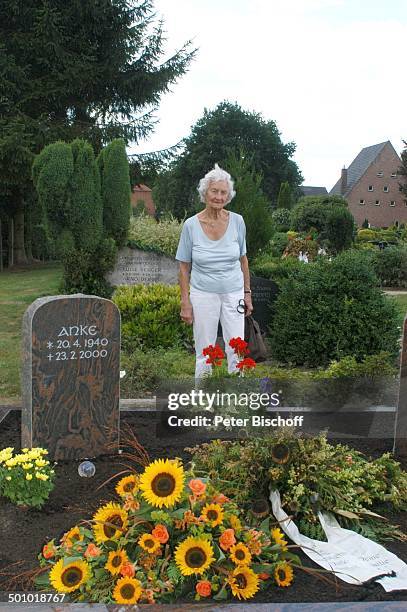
{"x":71,"y":376}
{"x":400,"y":433}
{"x":264,"y":292}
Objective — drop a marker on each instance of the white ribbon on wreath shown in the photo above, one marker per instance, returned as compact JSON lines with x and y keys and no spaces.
{"x":350,"y":556}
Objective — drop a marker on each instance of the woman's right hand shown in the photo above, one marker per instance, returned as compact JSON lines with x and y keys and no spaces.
{"x":186,"y":313}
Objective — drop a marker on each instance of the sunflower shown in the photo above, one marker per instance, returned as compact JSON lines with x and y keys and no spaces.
{"x":278,"y":538}
{"x":213,"y":514}
{"x":194,"y":556}
{"x":235,"y":523}
{"x":243,"y":582}
{"x":127,"y":591}
{"x":110,"y":521}
{"x":128,"y":484}
{"x":149,"y":543}
{"x":240,"y":554}
{"x":68,"y":578}
{"x":260,"y":508}
{"x":283,"y":574}
{"x":116,"y":560}
{"x":71,"y":537}
{"x":162,"y":482}
{"x":280,"y":453}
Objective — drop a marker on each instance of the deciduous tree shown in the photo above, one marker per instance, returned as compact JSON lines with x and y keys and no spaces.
{"x":228,"y":127}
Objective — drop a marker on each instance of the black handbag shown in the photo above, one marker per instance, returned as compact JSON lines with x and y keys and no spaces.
{"x":254,"y":339}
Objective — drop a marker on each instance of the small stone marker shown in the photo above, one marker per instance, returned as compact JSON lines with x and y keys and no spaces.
{"x":400,"y":431}
{"x":135,"y":266}
{"x":71,"y":376}
{"x":264,"y":292}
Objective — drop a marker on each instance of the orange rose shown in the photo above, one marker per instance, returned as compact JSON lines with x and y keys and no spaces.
{"x":203,"y":588}
{"x":264,"y":576}
{"x":220,"y":499}
{"x":48,"y":551}
{"x":227,"y":539}
{"x":127,"y":569}
{"x":160,"y":532}
{"x":92,"y":551}
{"x":197,"y":486}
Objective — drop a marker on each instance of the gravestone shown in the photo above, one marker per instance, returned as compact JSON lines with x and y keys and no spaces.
{"x":71,"y":376}
{"x":400,"y":431}
{"x":135,"y":266}
{"x":264,"y":292}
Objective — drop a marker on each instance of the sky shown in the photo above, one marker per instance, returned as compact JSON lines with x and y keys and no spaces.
{"x":330,"y":73}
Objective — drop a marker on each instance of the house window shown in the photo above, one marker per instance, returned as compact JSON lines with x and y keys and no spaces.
{"x":380,"y":173}
{"x":377,"y":203}
{"x":386,"y":189}
{"x":370,"y":188}
{"x":392,"y":202}
{"x":361,"y":202}
{"x":393,"y":174}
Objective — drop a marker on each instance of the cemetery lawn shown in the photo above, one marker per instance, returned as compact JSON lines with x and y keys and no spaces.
{"x":17,"y":290}
{"x":24,"y":532}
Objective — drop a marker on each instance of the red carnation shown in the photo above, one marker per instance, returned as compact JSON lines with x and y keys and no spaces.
{"x":239,"y":346}
{"x":247,"y":362}
{"x":214,"y":353}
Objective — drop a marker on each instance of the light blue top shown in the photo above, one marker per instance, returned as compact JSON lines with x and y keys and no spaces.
{"x":215,"y":263}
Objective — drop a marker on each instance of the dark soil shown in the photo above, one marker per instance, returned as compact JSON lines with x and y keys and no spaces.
{"x":23,"y":533}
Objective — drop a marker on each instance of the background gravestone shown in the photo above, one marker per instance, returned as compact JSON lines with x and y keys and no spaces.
{"x":71,"y":376}
{"x":400,"y":433}
{"x":264,"y":292}
{"x":135,"y":266}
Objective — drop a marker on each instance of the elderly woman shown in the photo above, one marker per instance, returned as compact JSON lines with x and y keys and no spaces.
{"x":213,"y":270}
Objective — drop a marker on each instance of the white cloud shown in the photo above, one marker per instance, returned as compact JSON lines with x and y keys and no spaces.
{"x":326,"y":72}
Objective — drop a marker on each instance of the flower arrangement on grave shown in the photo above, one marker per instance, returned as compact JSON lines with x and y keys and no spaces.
{"x":26,"y":478}
{"x":170,"y":536}
{"x":311,"y":475}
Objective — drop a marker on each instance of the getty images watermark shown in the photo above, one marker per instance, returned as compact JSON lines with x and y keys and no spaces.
{"x":223,"y":403}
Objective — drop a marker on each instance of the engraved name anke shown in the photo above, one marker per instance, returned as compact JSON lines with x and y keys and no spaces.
{"x":71,"y":373}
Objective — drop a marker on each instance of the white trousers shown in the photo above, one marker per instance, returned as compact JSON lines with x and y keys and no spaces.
{"x":208,"y":310}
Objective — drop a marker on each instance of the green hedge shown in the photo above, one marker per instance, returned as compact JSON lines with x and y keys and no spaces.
{"x":330,"y":310}
{"x":391,"y":266}
{"x":150,"y":317}
{"x":276,"y":269}
{"x":162,"y":237}
{"x":146,"y":368}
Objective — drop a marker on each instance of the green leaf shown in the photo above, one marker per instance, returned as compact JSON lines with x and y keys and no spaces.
{"x":220,"y":556}
{"x":42,"y":581}
{"x":179,"y":514}
{"x":110,"y":545}
{"x":68,"y":560}
{"x":222,"y":595}
{"x":292,"y":557}
{"x":265,"y":525}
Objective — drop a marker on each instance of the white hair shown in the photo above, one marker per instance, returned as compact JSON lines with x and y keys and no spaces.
{"x":217,"y":174}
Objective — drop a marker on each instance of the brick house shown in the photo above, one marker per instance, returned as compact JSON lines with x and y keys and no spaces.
{"x":371,"y":187}
{"x":141,"y":195}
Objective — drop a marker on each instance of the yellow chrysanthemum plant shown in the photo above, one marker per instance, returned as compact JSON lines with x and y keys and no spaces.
{"x":169,"y":535}
{"x":26,"y":477}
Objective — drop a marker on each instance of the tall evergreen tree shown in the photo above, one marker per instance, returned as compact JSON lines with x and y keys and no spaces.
{"x":284,"y":199}
{"x":89,"y":68}
{"x":250,"y":202}
{"x":114,"y":172}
